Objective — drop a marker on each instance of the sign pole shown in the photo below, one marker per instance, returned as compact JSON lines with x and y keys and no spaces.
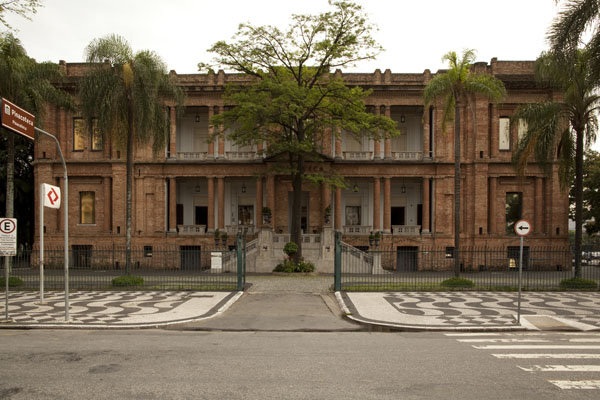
{"x":66,"y":214}
{"x":520,"y":280}
{"x":6,"y":289}
{"x":41,"y":243}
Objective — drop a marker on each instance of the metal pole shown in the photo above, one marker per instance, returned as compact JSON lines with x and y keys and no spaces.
{"x":41,"y":243}
{"x":520,"y":277}
{"x":66,"y":213}
{"x":6,"y":288}
{"x":337,"y":266}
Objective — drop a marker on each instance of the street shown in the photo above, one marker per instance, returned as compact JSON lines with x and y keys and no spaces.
{"x":168,"y":364}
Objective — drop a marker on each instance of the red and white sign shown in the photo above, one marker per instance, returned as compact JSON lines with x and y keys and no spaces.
{"x":51,"y":195}
{"x":522,"y":227}
{"x":17,"y":120}
{"x":8,"y":237}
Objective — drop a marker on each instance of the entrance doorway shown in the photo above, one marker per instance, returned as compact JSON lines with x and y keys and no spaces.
{"x":407,"y":258}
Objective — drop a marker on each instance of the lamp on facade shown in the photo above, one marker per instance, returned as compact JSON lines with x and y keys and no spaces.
{"x":355,"y":188}
{"x":197,"y":188}
{"x":197,"y":117}
{"x":243,"y":188}
{"x":403,"y":188}
{"x":402,"y":119}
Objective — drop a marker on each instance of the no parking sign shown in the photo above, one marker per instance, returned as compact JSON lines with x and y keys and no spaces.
{"x":8,"y":237}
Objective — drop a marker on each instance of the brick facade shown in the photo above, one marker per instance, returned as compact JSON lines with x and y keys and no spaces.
{"x":403,"y":187}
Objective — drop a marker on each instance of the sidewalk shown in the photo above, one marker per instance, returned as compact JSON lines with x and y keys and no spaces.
{"x":113,"y":309}
{"x":473,"y":311}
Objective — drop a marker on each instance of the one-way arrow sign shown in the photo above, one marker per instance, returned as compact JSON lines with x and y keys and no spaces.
{"x":522,"y":227}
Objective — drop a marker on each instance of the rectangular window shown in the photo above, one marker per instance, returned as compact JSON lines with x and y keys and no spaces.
{"x":97,"y":140}
{"x":87,"y":207}
{"x":449,"y":252}
{"x":79,"y":135}
{"x":147,"y":251}
{"x":504,"y":133}
{"x":353,"y":215}
{"x":514,"y":210}
{"x":245,"y":215}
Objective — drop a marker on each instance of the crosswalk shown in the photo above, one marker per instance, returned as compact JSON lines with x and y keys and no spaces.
{"x":572,"y":355}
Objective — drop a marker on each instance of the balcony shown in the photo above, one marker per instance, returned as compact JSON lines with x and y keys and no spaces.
{"x":357,"y":155}
{"x":241,"y":155}
{"x":233,"y":230}
{"x":407,"y":155}
{"x":357,"y":229}
{"x":406,"y":230}
{"x":196,"y":156}
{"x":191,"y":230}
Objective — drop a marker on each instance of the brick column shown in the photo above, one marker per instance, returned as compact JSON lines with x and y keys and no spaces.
{"x":172,"y":204}
{"x":426,"y":206}
{"x":494,"y":133}
{"x":377,"y":143}
{"x":211,"y":130}
{"x":173,"y":133}
{"x":210,"y":224}
{"x":271,"y":197}
{"x":338,"y":143}
{"x":221,"y":138}
{"x":492,"y":206}
{"x":387,"y":146}
{"x":259,"y":202}
{"x":387,"y":210}
{"x":426,"y":124}
{"x":538,"y":222}
{"x":106,"y":185}
{"x":338,"y":209}
{"x":221,"y":200}
{"x":376,"y":202}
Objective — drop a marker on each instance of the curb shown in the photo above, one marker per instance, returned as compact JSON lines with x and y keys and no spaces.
{"x":218,"y":309}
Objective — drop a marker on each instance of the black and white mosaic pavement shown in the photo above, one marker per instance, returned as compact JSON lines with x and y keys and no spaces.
{"x":116,"y":308}
{"x":474,"y":309}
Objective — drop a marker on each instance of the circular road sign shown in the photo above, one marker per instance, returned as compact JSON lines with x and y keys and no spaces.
{"x":523,"y":227}
{"x":7,"y":226}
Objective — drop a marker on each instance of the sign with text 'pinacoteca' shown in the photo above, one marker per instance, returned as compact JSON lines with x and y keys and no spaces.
{"x":51,"y":195}
{"x":17,"y":120}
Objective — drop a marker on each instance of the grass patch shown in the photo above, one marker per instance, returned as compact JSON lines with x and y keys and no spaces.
{"x":128,"y":280}
{"x":578,"y":284}
{"x":458,"y":283}
{"x":13,"y":281}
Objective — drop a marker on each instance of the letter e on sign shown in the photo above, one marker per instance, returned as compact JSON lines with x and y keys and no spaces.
{"x":8,"y":237}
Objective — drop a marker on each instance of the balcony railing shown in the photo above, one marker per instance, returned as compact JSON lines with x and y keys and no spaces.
{"x":358,"y":155}
{"x":406,"y":230}
{"x":233,"y":230}
{"x":241,"y":155}
{"x":187,"y":155}
{"x":191,"y":229}
{"x":357,"y":229}
{"x":407,"y":155}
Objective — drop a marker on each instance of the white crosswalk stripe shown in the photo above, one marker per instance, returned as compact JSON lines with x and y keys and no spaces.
{"x":578,"y":352}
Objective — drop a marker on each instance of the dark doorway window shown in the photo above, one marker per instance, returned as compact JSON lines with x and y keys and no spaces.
{"x":201,"y":215}
{"x":398,"y":215}
{"x":420,"y":215}
{"x":191,"y":258}
{"x":179,"y":211}
{"x":514,"y":210}
{"x":407,"y":258}
{"x":82,"y":255}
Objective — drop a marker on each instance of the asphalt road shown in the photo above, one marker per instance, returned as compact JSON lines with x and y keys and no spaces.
{"x":161,"y":364}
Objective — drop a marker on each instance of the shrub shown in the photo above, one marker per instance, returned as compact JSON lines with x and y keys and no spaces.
{"x":457,"y":283}
{"x":290,"y":249}
{"x":128,"y":280}
{"x":13,"y":281}
{"x":288,"y":266}
{"x":578,"y":284}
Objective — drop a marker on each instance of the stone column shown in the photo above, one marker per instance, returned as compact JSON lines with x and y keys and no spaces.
{"x":271,"y":197}
{"x":387,"y":144}
{"x":492,"y":206}
{"x":377,"y":143}
{"x":376,"y":202}
{"x":538,"y":226}
{"x":221,"y":138}
{"x":172,"y":204}
{"x":211,"y":130}
{"x":106,"y":186}
{"x":338,"y":209}
{"x":259,"y":203}
{"x":387,"y":205}
{"x":210,"y":224}
{"x":426,"y":206}
{"x":173,"y":133}
{"x":221,"y":200}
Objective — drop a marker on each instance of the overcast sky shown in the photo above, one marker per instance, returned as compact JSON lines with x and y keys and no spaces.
{"x":415,"y":34}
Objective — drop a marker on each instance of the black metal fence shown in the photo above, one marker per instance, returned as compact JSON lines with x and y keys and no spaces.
{"x":418,"y":268}
{"x":164,"y":268}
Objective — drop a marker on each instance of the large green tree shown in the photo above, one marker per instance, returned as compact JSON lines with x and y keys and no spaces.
{"x":28,"y":84}
{"x":127,"y":93}
{"x":591,"y":192}
{"x":293,"y":99}
{"x":455,"y":89}
{"x":575,"y":20}
{"x":562,"y":129}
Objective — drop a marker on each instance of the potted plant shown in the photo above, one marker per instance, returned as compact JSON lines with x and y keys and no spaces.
{"x":377,"y":238}
{"x":371,"y":238}
{"x":224,"y":238}
{"x":217,"y":236}
{"x":327,"y":214}
{"x":266,"y":214}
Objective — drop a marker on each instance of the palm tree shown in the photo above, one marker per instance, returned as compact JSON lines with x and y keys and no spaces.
{"x":28,"y":84}
{"x":577,"y":18}
{"x":126,"y":92}
{"x":563,"y":128}
{"x":454,"y":88}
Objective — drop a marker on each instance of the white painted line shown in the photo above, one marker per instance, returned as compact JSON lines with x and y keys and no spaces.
{"x":561,"y":368}
{"x":538,"y":347}
{"x":472,"y":334}
{"x":586,"y":340}
{"x":503,"y":340}
{"x":577,"y":384}
{"x":550,"y":355}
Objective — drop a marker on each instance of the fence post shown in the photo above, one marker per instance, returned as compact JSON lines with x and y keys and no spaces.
{"x":240,"y":263}
{"x":338,"y":262}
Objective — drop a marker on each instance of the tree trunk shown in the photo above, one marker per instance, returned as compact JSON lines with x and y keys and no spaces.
{"x":457,"y":110}
{"x":578,"y":199}
{"x":10,"y":185}
{"x":129,"y":187}
{"x":296,"y":228}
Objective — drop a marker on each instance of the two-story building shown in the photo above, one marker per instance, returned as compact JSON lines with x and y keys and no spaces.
{"x":402,"y":187}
